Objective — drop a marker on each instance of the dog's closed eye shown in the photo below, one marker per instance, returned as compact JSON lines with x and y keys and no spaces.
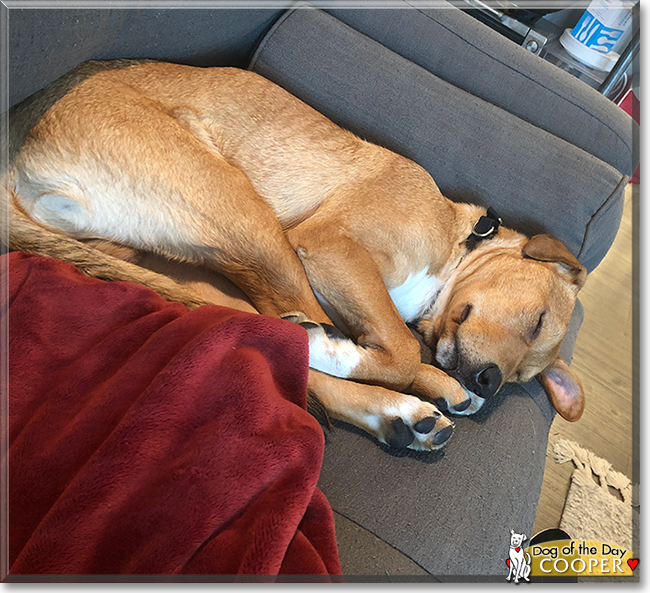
{"x":465,"y":314}
{"x":538,"y":328}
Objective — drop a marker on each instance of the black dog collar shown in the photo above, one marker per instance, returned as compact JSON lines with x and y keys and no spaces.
{"x":485,"y":228}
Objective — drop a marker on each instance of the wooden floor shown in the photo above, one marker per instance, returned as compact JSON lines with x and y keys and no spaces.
{"x":603,"y":359}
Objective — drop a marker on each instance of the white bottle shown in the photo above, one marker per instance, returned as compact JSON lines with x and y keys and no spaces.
{"x":601,"y":34}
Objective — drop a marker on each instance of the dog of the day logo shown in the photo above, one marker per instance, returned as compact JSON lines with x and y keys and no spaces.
{"x":582,"y":558}
{"x":518,"y":559}
{"x":567,"y":558}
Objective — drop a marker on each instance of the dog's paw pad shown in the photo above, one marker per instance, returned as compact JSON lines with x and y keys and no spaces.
{"x":462,"y":406}
{"x":441,"y":403}
{"x":425,"y":426}
{"x":415,"y":424}
{"x":402,"y":435}
{"x":459,"y":401}
{"x":441,"y":437}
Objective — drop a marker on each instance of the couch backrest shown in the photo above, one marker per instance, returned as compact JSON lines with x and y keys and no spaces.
{"x":46,"y":43}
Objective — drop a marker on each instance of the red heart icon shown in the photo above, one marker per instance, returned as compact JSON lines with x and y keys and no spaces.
{"x":632,"y":563}
{"x":508,"y":562}
{"x":518,"y":549}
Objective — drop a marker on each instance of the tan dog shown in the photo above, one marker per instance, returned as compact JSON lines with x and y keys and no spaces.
{"x":223,"y":168}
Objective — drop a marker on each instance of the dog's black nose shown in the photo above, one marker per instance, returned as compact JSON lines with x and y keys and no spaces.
{"x":488,"y":380}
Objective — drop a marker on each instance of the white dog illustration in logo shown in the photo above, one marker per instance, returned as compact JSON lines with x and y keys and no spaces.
{"x":519,"y":561}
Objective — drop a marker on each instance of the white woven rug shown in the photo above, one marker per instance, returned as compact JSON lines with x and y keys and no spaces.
{"x":591,"y":511}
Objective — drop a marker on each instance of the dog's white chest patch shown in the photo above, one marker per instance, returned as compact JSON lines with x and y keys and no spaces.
{"x":416,"y":294}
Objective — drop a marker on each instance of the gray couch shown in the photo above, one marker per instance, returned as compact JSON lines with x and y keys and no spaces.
{"x":494,"y":125}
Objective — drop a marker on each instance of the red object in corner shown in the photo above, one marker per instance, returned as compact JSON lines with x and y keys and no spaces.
{"x":631,"y":105}
{"x":149,"y":439}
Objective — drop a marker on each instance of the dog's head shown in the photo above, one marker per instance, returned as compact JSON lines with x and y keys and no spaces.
{"x":516,"y":539}
{"x":502,"y":317}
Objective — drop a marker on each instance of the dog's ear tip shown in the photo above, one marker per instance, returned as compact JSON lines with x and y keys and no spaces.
{"x":564,"y":389}
{"x":572,"y":413}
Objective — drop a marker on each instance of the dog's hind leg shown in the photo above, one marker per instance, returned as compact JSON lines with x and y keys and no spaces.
{"x":182,"y":199}
{"x":255,"y":254}
{"x":144,"y":180}
{"x":394,"y":418}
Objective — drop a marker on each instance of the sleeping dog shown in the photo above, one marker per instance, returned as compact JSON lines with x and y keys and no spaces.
{"x":222,"y":168}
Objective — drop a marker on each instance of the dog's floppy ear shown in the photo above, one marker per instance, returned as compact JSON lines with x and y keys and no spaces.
{"x":549,"y":249}
{"x":564,"y":389}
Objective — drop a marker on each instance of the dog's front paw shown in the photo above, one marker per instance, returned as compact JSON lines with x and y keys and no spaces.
{"x":472,"y":404}
{"x":445,"y":391}
{"x":414,"y":424}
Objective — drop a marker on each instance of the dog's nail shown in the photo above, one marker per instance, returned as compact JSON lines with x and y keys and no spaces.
{"x":425,"y":426}
{"x":462,"y":406}
{"x":293,"y":316}
{"x":332,"y":332}
{"x":402,"y":435}
{"x":443,"y":436}
{"x":441,"y":403}
{"x":308,"y":324}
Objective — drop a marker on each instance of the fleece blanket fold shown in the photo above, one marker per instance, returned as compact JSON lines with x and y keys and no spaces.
{"x":148,"y":439}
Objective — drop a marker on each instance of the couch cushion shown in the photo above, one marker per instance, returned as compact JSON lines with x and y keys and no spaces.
{"x":475,"y":150}
{"x":449,"y":512}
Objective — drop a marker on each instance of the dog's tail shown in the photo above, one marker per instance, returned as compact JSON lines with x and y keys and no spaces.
{"x":26,"y":235}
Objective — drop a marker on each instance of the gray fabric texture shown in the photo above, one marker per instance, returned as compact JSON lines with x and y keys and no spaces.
{"x":466,"y":53}
{"x":364,"y":555}
{"x":476,"y":151}
{"x":451,"y":511}
{"x":45,"y":44}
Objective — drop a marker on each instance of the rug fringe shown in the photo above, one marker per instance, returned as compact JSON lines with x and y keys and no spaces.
{"x":584,"y":459}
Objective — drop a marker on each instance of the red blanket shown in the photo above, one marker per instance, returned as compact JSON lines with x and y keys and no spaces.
{"x":146,"y":439}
